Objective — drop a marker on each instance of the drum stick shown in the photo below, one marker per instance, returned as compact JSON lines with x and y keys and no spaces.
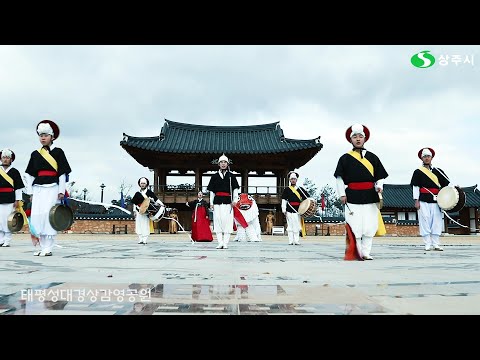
{"x":351,"y":212}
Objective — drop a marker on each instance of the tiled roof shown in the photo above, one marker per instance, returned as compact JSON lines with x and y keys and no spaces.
{"x":397,"y":196}
{"x":472,"y":196}
{"x":184,"y":138}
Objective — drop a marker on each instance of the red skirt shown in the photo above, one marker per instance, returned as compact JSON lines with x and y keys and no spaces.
{"x":201,"y":227}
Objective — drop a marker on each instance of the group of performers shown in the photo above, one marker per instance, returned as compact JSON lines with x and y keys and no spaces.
{"x":359,"y":180}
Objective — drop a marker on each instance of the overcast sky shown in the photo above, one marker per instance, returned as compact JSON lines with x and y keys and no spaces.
{"x":97,"y":93}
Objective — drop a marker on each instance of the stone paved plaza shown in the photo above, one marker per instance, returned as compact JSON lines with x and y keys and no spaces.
{"x":113,"y":275}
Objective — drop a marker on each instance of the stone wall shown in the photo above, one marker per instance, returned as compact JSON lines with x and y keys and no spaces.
{"x":106,"y":226}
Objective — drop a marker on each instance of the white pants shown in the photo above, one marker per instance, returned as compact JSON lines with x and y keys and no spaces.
{"x":5,"y":234}
{"x":430,"y":223}
{"x":142,"y":227}
{"x":5,"y":237}
{"x":364,"y":224}
{"x":429,"y":219}
{"x":294,"y":226}
{"x":223,"y":222}
{"x":47,"y":242}
{"x":44,"y":198}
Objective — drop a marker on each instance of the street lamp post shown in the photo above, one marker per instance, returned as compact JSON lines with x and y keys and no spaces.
{"x":102,"y":187}
{"x":85,"y":194}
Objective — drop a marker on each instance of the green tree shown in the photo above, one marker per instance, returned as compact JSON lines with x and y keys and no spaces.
{"x":311,"y":188}
{"x":333,"y":204}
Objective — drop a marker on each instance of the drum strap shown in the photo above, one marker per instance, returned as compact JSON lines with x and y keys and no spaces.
{"x":46,"y":155}
{"x":6,"y":176}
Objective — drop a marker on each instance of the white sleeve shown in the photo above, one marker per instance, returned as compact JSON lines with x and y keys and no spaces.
{"x":416,"y":192}
{"x":61,"y":184}
{"x":379,"y":184}
{"x":340,"y":187}
{"x":212,"y":196}
{"x":28,"y":184}
{"x":235,"y":194}
{"x":18,"y":194}
{"x":284,"y":205}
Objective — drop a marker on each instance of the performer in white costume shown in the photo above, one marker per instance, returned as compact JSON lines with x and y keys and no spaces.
{"x":11,"y":186}
{"x":292,"y":196}
{"x":141,"y":214}
{"x":46,"y":176}
{"x":224,"y":188}
{"x":360,"y":176}
{"x":426,"y":183}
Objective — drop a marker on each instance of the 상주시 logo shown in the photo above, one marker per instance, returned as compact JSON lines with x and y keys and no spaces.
{"x":423,"y":59}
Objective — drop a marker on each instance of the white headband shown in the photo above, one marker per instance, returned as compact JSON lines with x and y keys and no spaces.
{"x":426,"y":152}
{"x":357,"y":129}
{"x":44,"y":128}
{"x":292,"y":176}
{"x":7,"y":153}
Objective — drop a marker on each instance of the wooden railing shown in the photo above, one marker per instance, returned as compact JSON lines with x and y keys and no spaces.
{"x":262,"y":194}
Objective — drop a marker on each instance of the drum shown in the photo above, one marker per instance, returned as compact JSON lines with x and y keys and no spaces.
{"x":451,"y":198}
{"x":307,"y":208}
{"x":61,"y":217}
{"x":15,"y":221}
{"x":155,"y":211}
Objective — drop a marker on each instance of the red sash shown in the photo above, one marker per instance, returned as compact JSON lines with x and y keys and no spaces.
{"x":6,"y":190}
{"x":432,"y":190}
{"x":222,"y":194}
{"x":361,"y":185}
{"x":47,"y":173}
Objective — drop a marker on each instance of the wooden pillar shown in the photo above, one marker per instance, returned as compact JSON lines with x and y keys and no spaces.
{"x":279,"y":183}
{"x":245,"y":181}
{"x":198,"y":179}
{"x":472,"y":220}
{"x":155,"y":181}
{"x":162,"y":179}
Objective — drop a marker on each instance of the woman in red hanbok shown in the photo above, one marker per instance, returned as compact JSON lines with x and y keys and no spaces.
{"x":200,"y":221}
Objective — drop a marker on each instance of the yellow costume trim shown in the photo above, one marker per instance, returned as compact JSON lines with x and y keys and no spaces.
{"x":6,"y":176}
{"x":431,"y":175}
{"x":364,"y":161}
{"x":46,"y":155}
{"x":381,"y":226}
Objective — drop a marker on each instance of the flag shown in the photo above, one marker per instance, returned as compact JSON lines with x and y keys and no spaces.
{"x":122,"y":200}
{"x":323,"y":202}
